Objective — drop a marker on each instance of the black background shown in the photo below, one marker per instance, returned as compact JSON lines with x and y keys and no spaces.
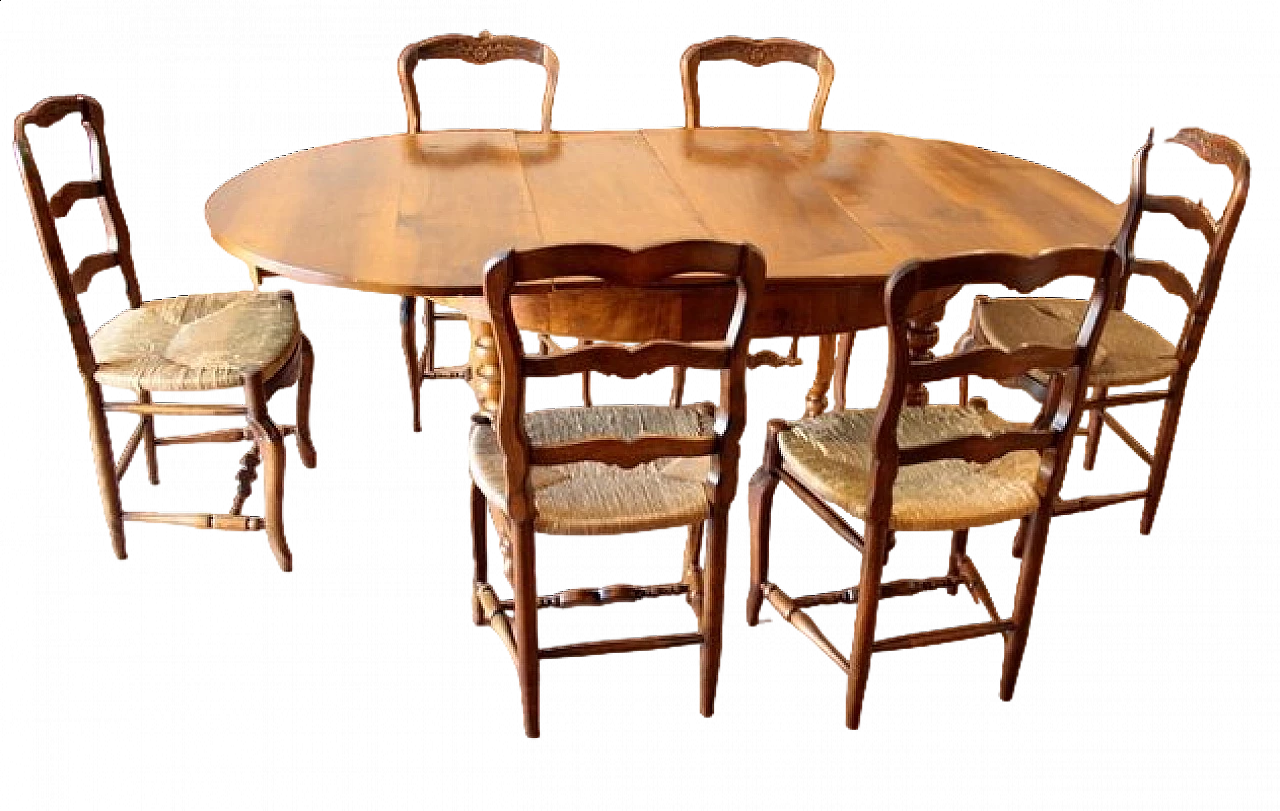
{"x":361,"y":674}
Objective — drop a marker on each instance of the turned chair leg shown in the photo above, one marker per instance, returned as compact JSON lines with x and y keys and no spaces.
{"x":104,"y":460}
{"x":1035,"y":535}
{"x":409,"y":341}
{"x":764,"y":483}
{"x":306,"y":449}
{"x":864,"y":628}
{"x":479,"y":551}
{"x":526,"y":617}
{"x":712,"y":620}
{"x":149,"y":441}
{"x":271,"y":448}
{"x":959,"y":546}
{"x":1160,"y":459}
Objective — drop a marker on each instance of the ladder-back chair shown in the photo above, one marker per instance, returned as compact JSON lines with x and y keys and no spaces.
{"x":482,"y":50}
{"x":246,"y":340}
{"x":1132,"y":353}
{"x":611,"y":469}
{"x":903,"y":468}
{"x":757,"y":53}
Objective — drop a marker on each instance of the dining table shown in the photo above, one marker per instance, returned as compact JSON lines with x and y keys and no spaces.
{"x":834,"y":213}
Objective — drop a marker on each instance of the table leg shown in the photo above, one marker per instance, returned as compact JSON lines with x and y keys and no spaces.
{"x":816,"y":401}
{"x":483,"y":363}
{"x":922,"y":337}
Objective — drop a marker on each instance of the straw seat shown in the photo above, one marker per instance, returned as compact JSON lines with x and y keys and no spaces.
{"x":593,"y":498}
{"x":196,"y":343}
{"x":831,"y":455}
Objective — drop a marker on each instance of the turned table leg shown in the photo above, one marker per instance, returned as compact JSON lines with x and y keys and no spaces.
{"x":922,"y":337}
{"x":483,"y":363}
{"x":816,"y":401}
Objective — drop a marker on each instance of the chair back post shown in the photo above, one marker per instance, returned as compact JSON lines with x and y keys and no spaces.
{"x":693,"y":263}
{"x":481,"y":50}
{"x":45,"y":210}
{"x":754,"y":52}
{"x":1134,"y":206}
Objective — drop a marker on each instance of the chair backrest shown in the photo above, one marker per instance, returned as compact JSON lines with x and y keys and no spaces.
{"x":45,"y":210}
{"x":755,"y":52}
{"x":700,"y":264}
{"x":1216,"y":149}
{"x":1054,"y":428}
{"x":479,"y":50}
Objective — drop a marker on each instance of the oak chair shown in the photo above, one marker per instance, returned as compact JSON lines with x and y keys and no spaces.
{"x":610,"y":469}
{"x":757,"y":53}
{"x":903,"y":468}
{"x":1132,"y":353}
{"x":246,"y":340}
{"x":481,"y":50}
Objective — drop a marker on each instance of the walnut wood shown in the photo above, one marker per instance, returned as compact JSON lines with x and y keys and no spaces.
{"x":620,"y":646}
{"x":767,"y":357}
{"x":802,"y":622}
{"x":245,"y":477}
{"x":1128,"y":438}
{"x":942,"y":635}
{"x":815,"y":402}
{"x":604,"y":595}
{"x":911,"y":363}
{"x":754,"y":52}
{"x":222,"y":435}
{"x":834,"y":212}
{"x":1128,"y":398}
{"x":830,"y":516}
{"x":764,"y":483}
{"x":70,"y":284}
{"x":500,"y":368}
{"x":480,"y":554}
{"x":493,"y":615}
{"x":844,"y":353}
{"x":229,"y":521}
{"x":1088,"y":503}
{"x":130,"y":448}
{"x":481,"y":50}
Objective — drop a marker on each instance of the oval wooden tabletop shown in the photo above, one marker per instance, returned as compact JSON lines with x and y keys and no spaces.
{"x":421,"y":214}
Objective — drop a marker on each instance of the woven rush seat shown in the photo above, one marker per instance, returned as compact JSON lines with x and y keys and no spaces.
{"x":198,"y":342}
{"x":1130,"y":354}
{"x":593,"y":498}
{"x":831,"y":455}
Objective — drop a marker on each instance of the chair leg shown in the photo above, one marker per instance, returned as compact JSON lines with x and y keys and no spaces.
{"x":586,"y":378}
{"x":306,"y":449}
{"x":760,"y":504}
{"x":1020,"y":539}
{"x":1163,"y":450}
{"x":692,"y":572}
{"x":844,"y":351}
{"x":1035,"y":535}
{"x":149,"y":441}
{"x":409,"y":341}
{"x":1095,"y":429}
{"x":677,"y":385}
{"x":479,"y":550}
{"x":864,"y":628}
{"x":526,"y":616}
{"x":427,"y":361}
{"x":959,"y":546}
{"x":271,"y":448}
{"x":713,"y":609}
{"x":104,"y":461}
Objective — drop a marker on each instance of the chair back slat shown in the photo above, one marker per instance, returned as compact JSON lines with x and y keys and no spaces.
{"x":482,"y":50}
{"x":1217,"y":232}
{"x":755,"y":52}
{"x":1052,"y":432}
{"x":625,"y":453}
{"x":696,"y":263}
{"x":977,"y":448}
{"x":45,"y":211}
{"x":73,"y":192}
{"x":627,"y":362}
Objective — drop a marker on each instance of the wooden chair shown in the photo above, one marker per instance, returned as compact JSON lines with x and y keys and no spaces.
{"x":481,"y":50}
{"x":246,"y":340}
{"x":1132,"y":353}
{"x":759,"y":52}
{"x":906,"y":468}
{"x":610,"y":469}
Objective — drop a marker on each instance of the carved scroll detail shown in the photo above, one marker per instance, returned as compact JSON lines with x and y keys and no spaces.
{"x":1211,"y":147}
{"x":246,"y":476}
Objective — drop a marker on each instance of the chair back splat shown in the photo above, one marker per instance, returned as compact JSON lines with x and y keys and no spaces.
{"x":754,"y":52}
